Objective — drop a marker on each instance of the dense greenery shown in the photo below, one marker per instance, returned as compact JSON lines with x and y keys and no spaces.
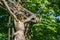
{"x":49,"y":27}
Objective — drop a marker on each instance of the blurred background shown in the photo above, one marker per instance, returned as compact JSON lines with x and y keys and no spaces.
{"x":49,"y":13}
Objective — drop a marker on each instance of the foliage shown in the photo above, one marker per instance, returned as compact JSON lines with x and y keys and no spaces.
{"x":47,"y":11}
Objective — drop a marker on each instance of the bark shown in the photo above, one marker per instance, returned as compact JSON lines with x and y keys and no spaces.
{"x":27,"y":30}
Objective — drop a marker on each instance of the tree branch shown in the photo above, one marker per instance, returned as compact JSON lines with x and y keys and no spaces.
{"x":10,"y":10}
{"x":24,"y":9}
{"x":1,"y":3}
{"x":29,"y":18}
